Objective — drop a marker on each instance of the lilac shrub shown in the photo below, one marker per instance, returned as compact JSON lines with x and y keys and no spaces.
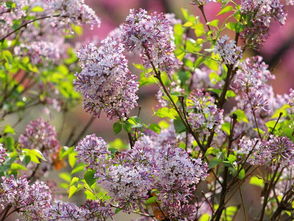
{"x":222,"y":127}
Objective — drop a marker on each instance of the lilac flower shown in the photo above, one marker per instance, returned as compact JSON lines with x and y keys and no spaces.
{"x":90,"y":211}
{"x":250,"y":83}
{"x":29,"y":200}
{"x":155,"y":162}
{"x":40,"y":50}
{"x":3,"y":154}
{"x":228,"y":51}
{"x":205,"y":115}
{"x":277,"y":150}
{"x":150,"y":36}
{"x":261,"y":15}
{"x":105,"y":80}
{"x":93,"y":151}
{"x":64,"y":211}
{"x":40,"y":135}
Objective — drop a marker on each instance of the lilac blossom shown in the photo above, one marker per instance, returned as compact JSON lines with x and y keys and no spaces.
{"x":155,"y":162}
{"x":105,"y":80}
{"x":3,"y":154}
{"x":150,"y":35}
{"x":92,"y":150}
{"x":250,"y":83}
{"x":90,"y":211}
{"x":40,"y":135}
{"x":228,"y":51}
{"x":204,"y":115}
{"x":31,"y":201}
{"x":276,"y":150}
{"x":262,"y":13}
{"x":40,"y":50}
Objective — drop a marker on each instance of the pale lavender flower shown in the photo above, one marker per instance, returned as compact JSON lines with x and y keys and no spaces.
{"x":204,"y":115}
{"x":250,"y":83}
{"x":90,"y":211}
{"x":105,"y":80}
{"x":40,"y":50}
{"x":261,"y":13}
{"x":277,"y":150}
{"x":150,"y":35}
{"x":31,"y":201}
{"x":40,"y":135}
{"x":3,"y":154}
{"x":92,"y":150}
{"x":228,"y":51}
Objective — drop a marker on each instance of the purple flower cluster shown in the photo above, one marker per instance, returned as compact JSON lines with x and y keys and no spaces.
{"x":250,"y":83}
{"x":55,"y":17}
{"x":90,"y":211}
{"x":3,"y":154}
{"x":150,"y":35}
{"x":93,"y":151}
{"x":155,"y":162}
{"x":228,"y":51}
{"x":105,"y":80}
{"x":276,"y":150}
{"x":29,"y":200}
{"x":204,"y":115}
{"x":261,"y":14}
{"x":40,"y":135}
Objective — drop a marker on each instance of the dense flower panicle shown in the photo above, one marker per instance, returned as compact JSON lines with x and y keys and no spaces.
{"x":262,"y":13}
{"x":3,"y":154}
{"x":277,"y":150}
{"x":58,"y":17}
{"x":205,"y":115}
{"x":40,"y":135}
{"x":105,"y":80}
{"x":228,"y":51}
{"x":90,"y":211}
{"x":92,"y":150}
{"x":150,"y":35}
{"x":31,"y":201}
{"x":37,"y":51}
{"x":250,"y":82}
{"x":155,"y":162}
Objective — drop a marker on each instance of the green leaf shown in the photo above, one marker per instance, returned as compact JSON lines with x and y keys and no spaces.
{"x":241,"y":174}
{"x":226,"y":9}
{"x":226,"y":127}
{"x":72,"y":190}
{"x":72,"y":159}
{"x":256,"y":181}
{"x":80,"y":167}
{"x":166,"y":112}
{"x":8,"y":130}
{"x":214,"y":162}
{"x":117,"y":127}
{"x":241,"y":116}
{"x":16,"y":166}
{"x":179,"y":125}
{"x":74,"y":180}
{"x":89,"y":177}
{"x":205,"y":217}
{"x":37,"y":9}
{"x":65,"y":176}
{"x":213,"y":23}
{"x":155,"y":128}
{"x":117,"y":210}
{"x":151,"y":200}
{"x":199,"y":29}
